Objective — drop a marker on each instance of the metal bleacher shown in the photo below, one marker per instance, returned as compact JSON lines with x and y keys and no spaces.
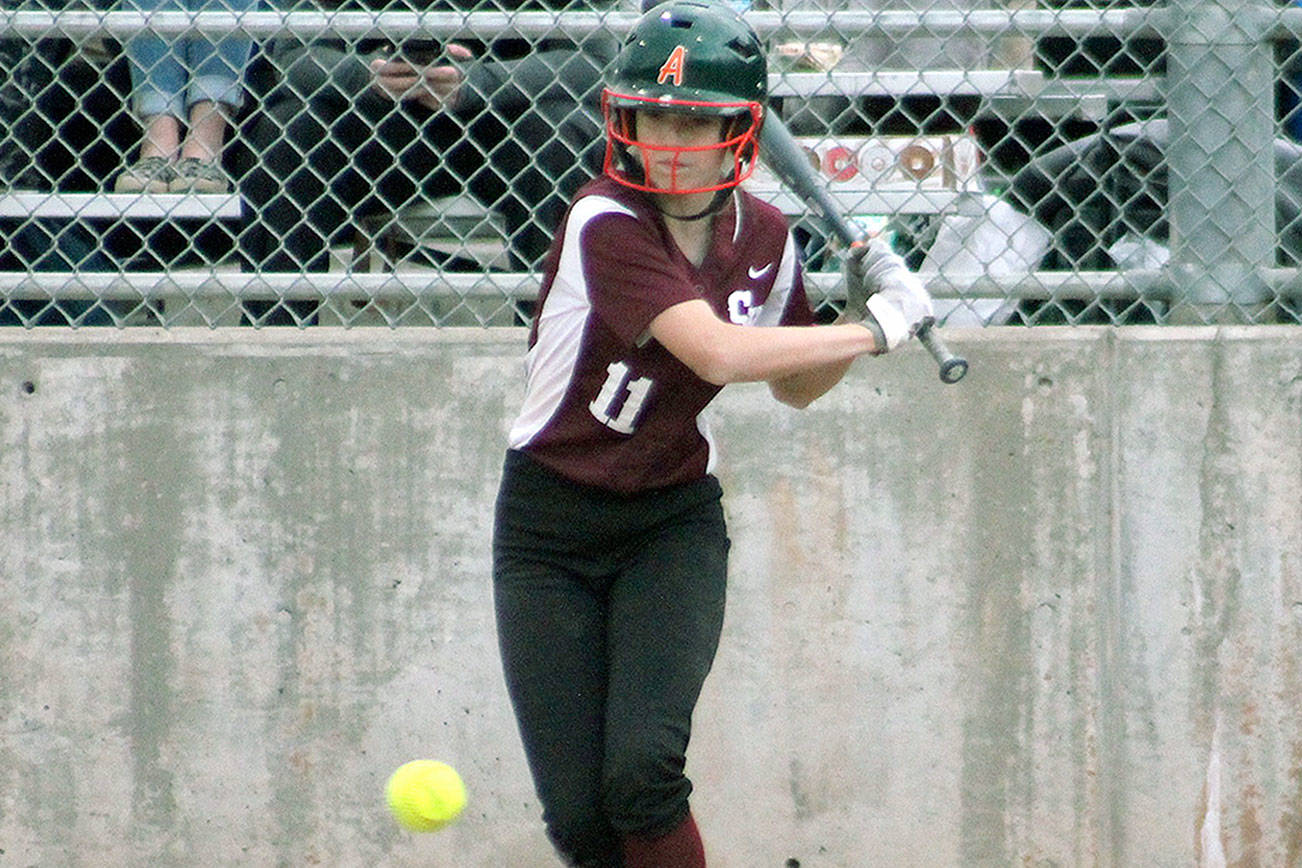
{"x":135,"y":206}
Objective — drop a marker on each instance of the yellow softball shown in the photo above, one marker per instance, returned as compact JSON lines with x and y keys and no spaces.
{"x":425,"y":795}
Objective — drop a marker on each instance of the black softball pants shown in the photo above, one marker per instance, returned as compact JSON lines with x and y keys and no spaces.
{"x":609,"y":610}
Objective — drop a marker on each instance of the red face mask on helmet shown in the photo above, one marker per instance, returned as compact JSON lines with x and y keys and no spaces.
{"x":694,"y":57}
{"x":629,"y":159}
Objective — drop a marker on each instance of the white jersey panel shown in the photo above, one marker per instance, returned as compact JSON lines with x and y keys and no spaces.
{"x":703,"y":425}
{"x":549,"y":366}
{"x":770,"y":313}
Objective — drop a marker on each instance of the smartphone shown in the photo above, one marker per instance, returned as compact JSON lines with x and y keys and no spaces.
{"x":418,"y":52}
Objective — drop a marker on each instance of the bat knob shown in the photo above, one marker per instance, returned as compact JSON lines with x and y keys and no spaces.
{"x":953,"y":369}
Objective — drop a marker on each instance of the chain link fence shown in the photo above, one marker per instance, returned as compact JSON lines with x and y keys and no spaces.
{"x":219,"y":162}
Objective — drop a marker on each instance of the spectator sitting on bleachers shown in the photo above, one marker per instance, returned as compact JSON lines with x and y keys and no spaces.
{"x":57,"y":133}
{"x":357,"y":128}
{"x":191,"y":84}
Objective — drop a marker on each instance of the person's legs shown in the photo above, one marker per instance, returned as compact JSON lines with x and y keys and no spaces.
{"x":550,"y":628}
{"x":666,"y":616}
{"x":213,"y":95}
{"x":200,"y":167}
{"x":215,"y":91}
{"x":551,"y":625}
{"x":157,"y":83}
{"x":294,"y":190}
{"x":162,"y":137}
{"x":216,"y":69}
{"x":208,"y":122}
{"x":157,"y":78}
{"x":680,"y":847}
{"x":320,"y":150}
{"x":158,"y":72}
{"x":609,"y":614}
{"x":403,"y":160}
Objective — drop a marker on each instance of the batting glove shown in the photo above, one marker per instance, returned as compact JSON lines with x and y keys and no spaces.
{"x":879,"y":283}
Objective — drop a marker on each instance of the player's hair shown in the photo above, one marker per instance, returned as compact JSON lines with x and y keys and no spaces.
{"x":692,"y":56}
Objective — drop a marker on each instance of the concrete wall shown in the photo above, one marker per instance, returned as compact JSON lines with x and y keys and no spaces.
{"x":1050,"y":617}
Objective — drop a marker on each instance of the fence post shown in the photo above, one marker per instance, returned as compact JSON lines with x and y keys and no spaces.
{"x":1220,"y":159}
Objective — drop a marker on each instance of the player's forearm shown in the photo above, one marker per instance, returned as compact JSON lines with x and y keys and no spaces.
{"x":720,"y":352}
{"x":751,"y":354}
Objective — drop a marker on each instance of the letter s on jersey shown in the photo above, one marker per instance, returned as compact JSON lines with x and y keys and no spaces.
{"x":741,"y":307}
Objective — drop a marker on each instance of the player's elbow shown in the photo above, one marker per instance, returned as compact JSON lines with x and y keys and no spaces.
{"x":715,"y":368}
{"x":803,"y":388}
{"x":715,"y":362}
{"x":788,"y":392}
{"x":797,"y":402}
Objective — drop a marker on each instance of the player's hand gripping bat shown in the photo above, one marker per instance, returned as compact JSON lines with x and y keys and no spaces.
{"x":787,"y":159}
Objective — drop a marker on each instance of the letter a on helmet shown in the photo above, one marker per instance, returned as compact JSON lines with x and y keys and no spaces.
{"x":672,"y":71}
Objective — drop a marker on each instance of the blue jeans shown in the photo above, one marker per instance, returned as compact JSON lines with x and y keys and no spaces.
{"x":167,"y":79}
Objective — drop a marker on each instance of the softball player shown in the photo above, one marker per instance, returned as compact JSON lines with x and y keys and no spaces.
{"x":666,"y":282}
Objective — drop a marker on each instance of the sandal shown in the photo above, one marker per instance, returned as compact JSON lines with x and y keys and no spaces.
{"x":194,"y":175}
{"x":150,"y":175}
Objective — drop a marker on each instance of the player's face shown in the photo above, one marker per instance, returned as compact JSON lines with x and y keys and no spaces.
{"x":680,"y":149}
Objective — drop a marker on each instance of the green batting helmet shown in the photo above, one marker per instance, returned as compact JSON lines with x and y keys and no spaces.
{"x":692,"y":50}
{"x":691,"y":56}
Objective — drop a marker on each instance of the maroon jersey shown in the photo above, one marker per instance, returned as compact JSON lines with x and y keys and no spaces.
{"x":605,"y":404}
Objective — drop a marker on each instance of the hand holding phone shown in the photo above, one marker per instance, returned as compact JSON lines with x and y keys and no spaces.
{"x":405,"y":75}
{"x":418,"y":52}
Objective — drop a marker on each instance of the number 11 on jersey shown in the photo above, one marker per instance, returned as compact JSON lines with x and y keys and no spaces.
{"x":621,"y":398}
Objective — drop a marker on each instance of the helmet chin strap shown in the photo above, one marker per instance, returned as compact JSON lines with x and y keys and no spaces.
{"x":717,"y":202}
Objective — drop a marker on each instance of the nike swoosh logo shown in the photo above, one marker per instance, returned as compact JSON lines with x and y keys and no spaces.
{"x":757,"y":273}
